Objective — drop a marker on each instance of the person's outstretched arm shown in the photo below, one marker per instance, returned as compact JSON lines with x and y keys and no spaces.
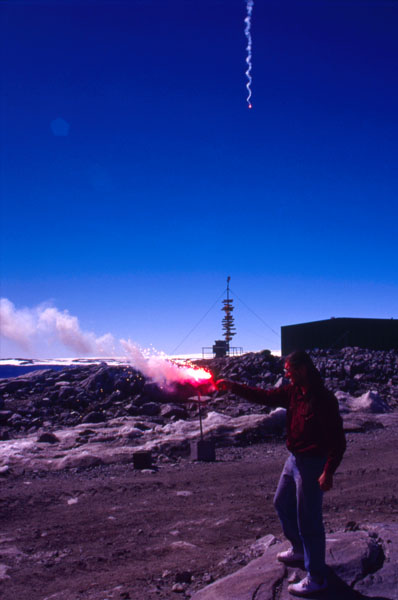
{"x":273,"y":398}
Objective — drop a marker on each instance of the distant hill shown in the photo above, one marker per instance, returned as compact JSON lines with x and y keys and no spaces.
{"x":14,"y":367}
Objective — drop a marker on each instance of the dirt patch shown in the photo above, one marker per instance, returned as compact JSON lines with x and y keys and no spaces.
{"x":114,"y":533}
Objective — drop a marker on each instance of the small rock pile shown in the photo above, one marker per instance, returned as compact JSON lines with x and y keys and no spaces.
{"x":262,"y":369}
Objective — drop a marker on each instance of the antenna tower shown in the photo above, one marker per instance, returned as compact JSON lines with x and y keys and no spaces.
{"x":228,"y":324}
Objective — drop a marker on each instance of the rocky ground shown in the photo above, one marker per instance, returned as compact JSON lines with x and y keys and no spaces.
{"x":96,"y":393}
{"x":79,"y":522}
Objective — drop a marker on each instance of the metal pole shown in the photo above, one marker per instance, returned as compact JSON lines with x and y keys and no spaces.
{"x":200,"y":415}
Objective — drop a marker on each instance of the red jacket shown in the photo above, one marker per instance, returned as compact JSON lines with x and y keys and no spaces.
{"x":313,"y":422}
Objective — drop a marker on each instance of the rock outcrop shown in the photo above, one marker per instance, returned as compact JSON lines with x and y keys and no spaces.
{"x":365,"y":380}
{"x":362,"y":564}
{"x":118,"y":439}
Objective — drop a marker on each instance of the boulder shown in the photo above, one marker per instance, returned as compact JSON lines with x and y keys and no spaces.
{"x":383,"y":581}
{"x":100,"y":382}
{"x":370,"y":402}
{"x":81,"y":460}
{"x":173,"y":411}
{"x":48,"y":438}
{"x":359,"y":561}
{"x":4,"y":435}
{"x":94,"y":417}
{"x":5,"y":415}
{"x":150,"y":409}
{"x":4,"y":471}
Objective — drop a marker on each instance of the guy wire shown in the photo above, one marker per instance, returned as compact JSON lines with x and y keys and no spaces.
{"x":199,"y":322}
{"x":252,"y":311}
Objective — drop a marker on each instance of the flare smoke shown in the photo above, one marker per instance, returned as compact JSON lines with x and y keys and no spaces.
{"x":29,"y":326}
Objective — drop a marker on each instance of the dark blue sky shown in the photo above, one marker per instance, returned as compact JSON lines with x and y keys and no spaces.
{"x":135,"y":179}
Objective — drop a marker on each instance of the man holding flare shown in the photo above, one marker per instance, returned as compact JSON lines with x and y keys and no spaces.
{"x":316,"y":442}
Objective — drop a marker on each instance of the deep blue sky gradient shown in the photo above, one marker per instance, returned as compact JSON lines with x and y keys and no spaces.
{"x":166,"y":183}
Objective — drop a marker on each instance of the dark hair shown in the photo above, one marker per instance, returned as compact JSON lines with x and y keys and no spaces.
{"x":300,"y":358}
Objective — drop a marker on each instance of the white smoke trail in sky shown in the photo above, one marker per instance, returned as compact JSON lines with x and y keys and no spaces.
{"x":45,"y":325}
{"x":28,"y":327}
{"x":248,"y":21}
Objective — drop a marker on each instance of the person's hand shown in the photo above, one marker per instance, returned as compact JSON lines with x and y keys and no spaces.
{"x":224,"y":385}
{"x":325,"y":482}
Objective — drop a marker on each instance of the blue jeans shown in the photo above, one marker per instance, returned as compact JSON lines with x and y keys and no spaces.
{"x":298,"y":502}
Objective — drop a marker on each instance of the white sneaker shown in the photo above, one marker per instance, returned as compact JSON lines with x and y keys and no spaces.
{"x":307,"y":586}
{"x":290,"y":556}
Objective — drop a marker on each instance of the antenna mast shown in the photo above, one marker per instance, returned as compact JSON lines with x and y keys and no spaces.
{"x":228,"y":321}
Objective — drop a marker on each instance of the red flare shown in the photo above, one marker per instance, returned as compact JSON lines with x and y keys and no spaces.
{"x":200,"y":378}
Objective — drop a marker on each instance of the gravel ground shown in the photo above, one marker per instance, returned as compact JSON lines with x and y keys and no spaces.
{"x":115,"y":533}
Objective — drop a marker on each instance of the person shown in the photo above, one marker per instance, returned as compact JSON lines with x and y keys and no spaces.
{"x":316,"y":444}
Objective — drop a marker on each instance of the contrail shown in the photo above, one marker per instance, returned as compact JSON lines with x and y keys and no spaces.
{"x":248,"y":21}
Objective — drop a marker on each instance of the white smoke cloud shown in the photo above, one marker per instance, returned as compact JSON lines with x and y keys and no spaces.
{"x":16,"y":325}
{"x":161,"y":370}
{"x":154,"y":367}
{"x":31,"y":327}
{"x":26,"y":326}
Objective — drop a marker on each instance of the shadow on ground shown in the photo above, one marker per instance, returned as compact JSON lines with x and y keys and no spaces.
{"x":339,"y":590}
